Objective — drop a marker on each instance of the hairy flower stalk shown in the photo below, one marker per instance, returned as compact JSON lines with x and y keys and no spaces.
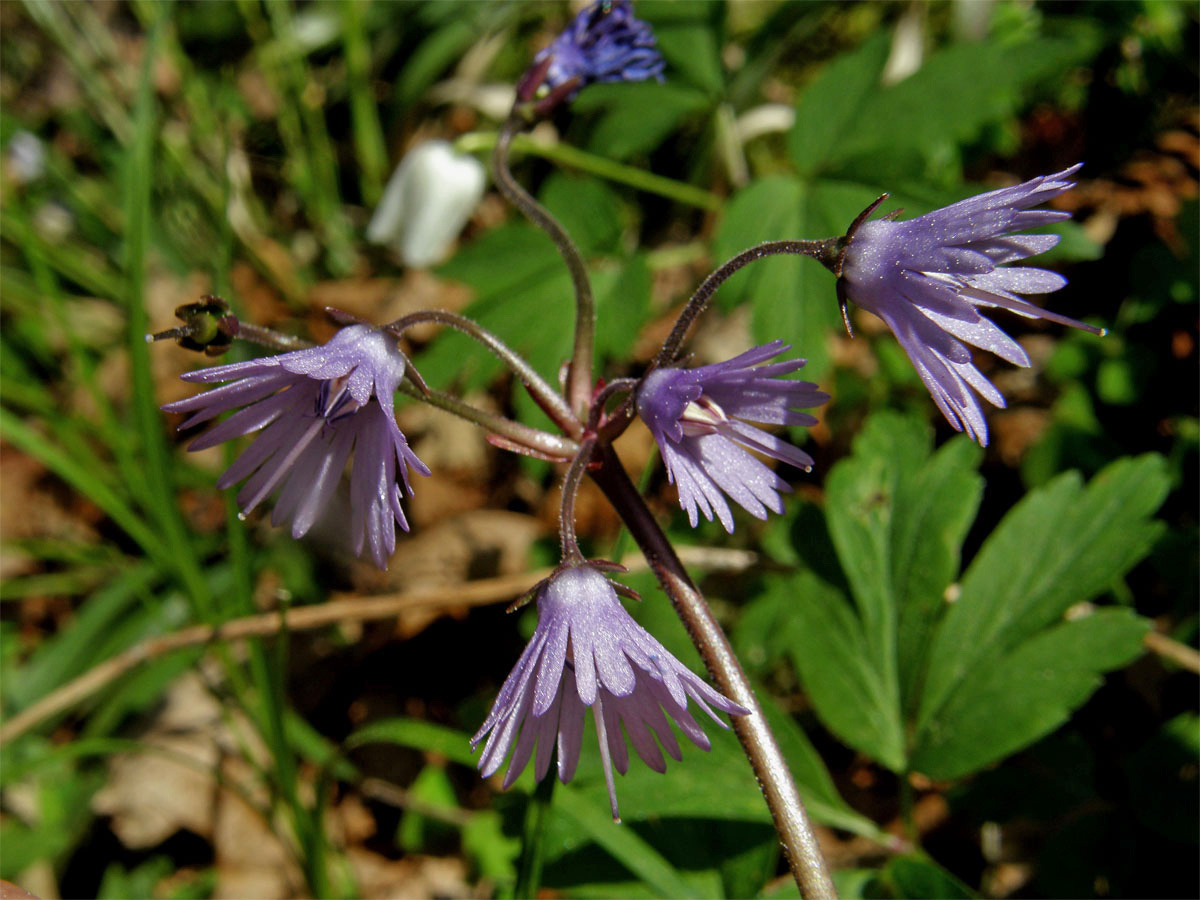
{"x":315,"y":407}
{"x":929,"y":277}
{"x":588,"y":653}
{"x":701,"y":419}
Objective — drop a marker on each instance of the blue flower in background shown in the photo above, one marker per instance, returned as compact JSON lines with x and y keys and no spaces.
{"x":603,"y":43}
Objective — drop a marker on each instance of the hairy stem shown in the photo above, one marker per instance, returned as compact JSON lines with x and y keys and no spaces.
{"x":579,"y":375}
{"x":824,"y":252}
{"x":267,"y":337}
{"x":791,"y":821}
{"x":570,"y":490}
{"x":546,"y":396}
{"x":544,"y":442}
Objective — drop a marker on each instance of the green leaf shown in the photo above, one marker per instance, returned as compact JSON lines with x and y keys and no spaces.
{"x":622,"y":306}
{"x":813,"y":781}
{"x":920,"y":877}
{"x":77,"y":646}
{"x":832,"y":655}
{"x":454,"y":745}
{"x":433,"y":55}
{"x":793,"y":297}
{"x":139,"y":881}
{"x":623,"y":844}
{"x":493,"y":852}
{"x":1063,"y":544}
{"x":432,"y":788}
{"x":587,"y":208}
{"x":958,"y":91}
{"x":688,"y":36}
{"x":934,"y":509}
{"x":1008,"y":704}
{"x":523,"y":296}
{"x":828,"y":110}
{"x":637,"y":117}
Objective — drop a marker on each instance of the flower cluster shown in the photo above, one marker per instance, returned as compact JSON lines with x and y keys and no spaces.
{"x":588,"y":652}
{"x":701,"y":418}
{"x":314,"y":408}
{"x":928,"y":277}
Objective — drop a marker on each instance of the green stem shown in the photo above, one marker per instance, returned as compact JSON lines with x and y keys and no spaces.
{"x":566,"y":155}
{"x":139,"y":161}
{"x":529,"y":877}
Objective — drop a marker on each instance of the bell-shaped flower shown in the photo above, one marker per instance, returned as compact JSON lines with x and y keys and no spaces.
{"x":929,"y":277}
{"x":701,"y":419}
{"x":315,"y":407}
{"x":588,"y":653}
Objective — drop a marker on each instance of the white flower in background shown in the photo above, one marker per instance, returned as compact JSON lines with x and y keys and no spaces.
{"x":26,"y":157}
{"x":427,"y":202}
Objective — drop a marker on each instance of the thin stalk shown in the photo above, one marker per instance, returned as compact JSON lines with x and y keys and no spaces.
{"x":770,"y":768}
{"x":534,"y":438}
{"x":529,"y":877}
{"x":573,"y":157}
{"x":823,"y":251}
{"x":571,"y":554}
{"x":268,"y":337}
{"x":579,"y":374}
{"x":547,"y":398}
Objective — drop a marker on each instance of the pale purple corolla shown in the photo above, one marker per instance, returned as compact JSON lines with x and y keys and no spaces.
{"x":701,"y":419}
{"x":315,"y":407}
{"x":928,"y":278}
{"x":588,"y":652}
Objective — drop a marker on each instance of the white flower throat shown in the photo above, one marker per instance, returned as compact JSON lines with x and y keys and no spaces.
{"x":702,"y":416}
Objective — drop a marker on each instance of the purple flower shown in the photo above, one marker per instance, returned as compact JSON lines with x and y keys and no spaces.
{"x":588,"y":651}
{"x":927,"y":278}
{"x":700,"y":419}
{"x":603,"y":43}
{"x":314,"y":408}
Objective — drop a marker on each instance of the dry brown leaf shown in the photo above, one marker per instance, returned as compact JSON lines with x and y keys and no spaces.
{"x":411,"y":878}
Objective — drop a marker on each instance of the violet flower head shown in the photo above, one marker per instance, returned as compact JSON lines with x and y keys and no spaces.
{"x":701,"y":418}
{"x":604,"y":42}
{"x":314,"y":408}
{"x":928,"y":278}
{"x":587,"y":651}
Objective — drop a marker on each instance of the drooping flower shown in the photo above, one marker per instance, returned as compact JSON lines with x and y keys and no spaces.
{"x":603,"y":43}
{"x":587,"y":651}
{"x":314,"y":408}
{"x":928,"y":277}
{"x":427,"y":202}
{"x":701,"y":418}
